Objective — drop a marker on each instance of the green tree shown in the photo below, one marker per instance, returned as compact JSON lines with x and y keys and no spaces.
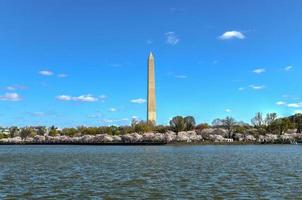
{"x":71,"y":132}
{"x":13,"y":131}
{"x":125,"y":130}
{"x":177,"y":124}
{"x":115,"y":130}
{"x":143,"y":127}
{"x":269,"y":122}
{"x":41,"y":130}
{"x":298,"y":122}
{"x":189,"y":123}
{"x":162,"y":129}
{"x":2,"y":135}
{"x":53,"y":131}
{"x":25,"y":132}
{"x":282,"y":125}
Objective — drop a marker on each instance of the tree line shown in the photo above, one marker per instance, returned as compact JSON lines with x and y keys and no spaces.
{"x":260,"y":124}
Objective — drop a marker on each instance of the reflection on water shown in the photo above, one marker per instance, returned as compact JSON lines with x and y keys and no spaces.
{"x":151,"y":172}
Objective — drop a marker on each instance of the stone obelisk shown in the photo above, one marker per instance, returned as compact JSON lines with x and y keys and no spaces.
{"x":151,"y":111}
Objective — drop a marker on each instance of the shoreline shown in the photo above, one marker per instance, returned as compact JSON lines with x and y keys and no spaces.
{"x":140,"y":143}
{"x":205,"y":137}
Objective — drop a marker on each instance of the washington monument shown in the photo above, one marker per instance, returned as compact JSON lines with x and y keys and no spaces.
{"x":151,"y":111}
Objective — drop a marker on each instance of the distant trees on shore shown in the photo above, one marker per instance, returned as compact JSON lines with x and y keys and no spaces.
{"x":179,"y":123}
{"x":260,"y":125}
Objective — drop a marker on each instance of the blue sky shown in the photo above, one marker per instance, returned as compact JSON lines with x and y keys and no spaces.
{"x":71,"y":63}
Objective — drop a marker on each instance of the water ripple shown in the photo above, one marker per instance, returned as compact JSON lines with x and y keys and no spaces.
{"x":151,"y":172}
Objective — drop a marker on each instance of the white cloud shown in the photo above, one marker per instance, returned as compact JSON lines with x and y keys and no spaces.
{"x":288,"y":68}
{"x":10,"y":97}
{"x":111,"y":121}
{"x":259,"y":71}
{"x":295,"y":105}
{"x":15,"y":87}
{"x":232,"y":35}
{"x":241,"y":88}
{"x":290,"y":105}
{"x":85,"y":98}
{"x":228,"y":110}
{"x":171,"y":38}
{"x":280,"y":103}
{"x":46,"y":73}
{"x":62,"y":75}
{"x":181,"y":76}
{"x":64,"y":98}
{"x":82,"y":98}
{"x":107,"y":121}
{"x":293,"y":97}
{"x":257,"y":87}
{"x":11,"y":88}
{"x":112,"y":110}
{"x":138,"y":101}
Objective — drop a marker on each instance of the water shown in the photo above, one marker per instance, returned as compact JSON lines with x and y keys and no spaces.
{"x":151,"y":172}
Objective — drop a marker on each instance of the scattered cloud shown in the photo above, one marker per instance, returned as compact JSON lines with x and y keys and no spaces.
{"x":10,"y":97}
{"x":171,"y":38}
{"x":290,"y":105}
{"x":181,"y":76}
{"x":257,"y":87}
{"x":293,"y":97}
{"x":85,"y":98}
{"x":259,"y":71}
{"x":37,"y":114}
{"x":46,"y":73}
{"x":241,"y":88}
{"x":15,"y":87}
{"x":232,"y":35}
{"x":11,"y":88}
{"x":82,"y":98}
{"x":298,"y":112}
{"x":280,"y":103}
{"x":112,"y":121}
{"x":64,"y":98}
{"x":51,"y":73}
{"x":295,"y":105}
{"x":138,"y":101}
{"x":288,"y":68}
{"x":62,"y":75}
{"x":228,"y":110}
{"x":112,"y":109}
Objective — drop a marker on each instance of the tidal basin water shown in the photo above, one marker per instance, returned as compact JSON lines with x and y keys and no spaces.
{"x":151,"y":172}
